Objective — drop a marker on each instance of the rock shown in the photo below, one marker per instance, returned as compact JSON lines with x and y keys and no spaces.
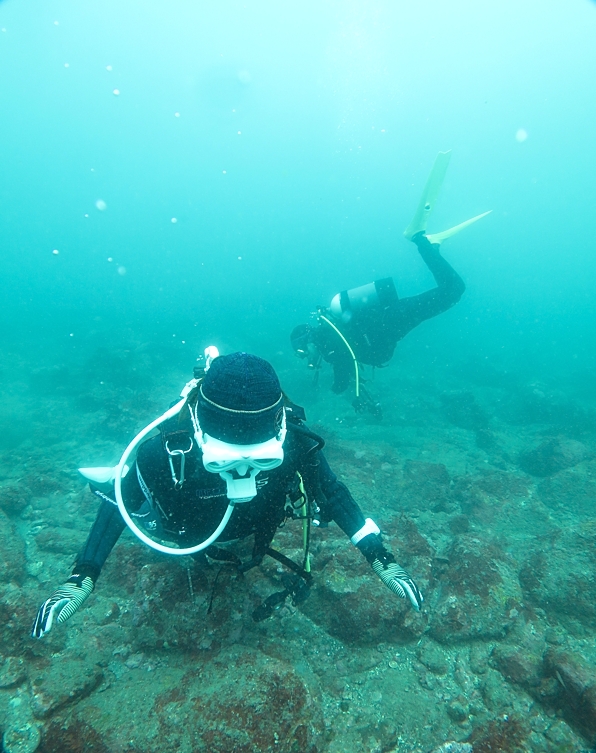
{"x":558,"y":576}
{"x":453,"y":747}
{"x":478,"y":658}
{"x":571,"y":492}
{"x":59,"y":540}
{"x":426,"y":486}
{"x":576,"y":689}
{"x":506,"y":735}
{"x":12,"y":552}
{"x":434,"y":658}
{"x":66,"y":681}
{"x":351,"y":603}
{"x":538,"y":404}
{"x":478,"y":590}
{"x":461,"y":409}
{"x":238,"y":700}
{"x":457,"y":712}
{"x":12,"y":672}
{"x":519,"y":665}
{"x":364,"y":616}
{"x":552,"y":456}
{"x":479,"y":494}
{"x":13,"y":499}
{"x":23,"y":737}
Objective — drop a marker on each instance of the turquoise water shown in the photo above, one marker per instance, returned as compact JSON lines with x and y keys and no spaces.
{"x":187,"y":173}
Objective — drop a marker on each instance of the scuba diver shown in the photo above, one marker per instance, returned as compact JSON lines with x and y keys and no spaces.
{"x":233,"y":458}
{"x":362,"y":326}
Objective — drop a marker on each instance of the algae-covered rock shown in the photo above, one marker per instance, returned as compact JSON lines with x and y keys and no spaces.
{"x":461,"y":409}
{"x":426,"y":486}
{"x":478,"y":593}
{"x":239,"y":700}
{"x":12,"y":552}
{"x":552,"y":456}
{"x":576,"y":688}
{"x":350,"y":602}
{"x":571,"y":492}
{"x":506,"y":735}
{"x":14,"y":498}
{"x":66,"y":681}
{"x":558,"y":576}
{"x":21,"y":737}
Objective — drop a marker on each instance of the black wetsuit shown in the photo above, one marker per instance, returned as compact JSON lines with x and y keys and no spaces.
{"x":191,"y":514}
{"x":374,"y":332}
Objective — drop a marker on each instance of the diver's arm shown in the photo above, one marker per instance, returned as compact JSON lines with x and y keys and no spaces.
{"x":108,"y":526}
{"x":102,"y":538}
{"x":450,"y":287}
{"x":338,"y":504}
{"x":69,"y":597}
{"x":365,"y":535}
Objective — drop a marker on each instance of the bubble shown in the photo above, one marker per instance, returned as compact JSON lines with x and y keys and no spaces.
{"x":244,"y":77}
{"x":116,"y":92}
{"x":239,"y":258}
{"x":86,"y":215}
{"x":55,"y":252}
{"x":176,"y":114}
{"x":224,"y":171}
{"x":239,"y":133}
{"x":67,"y":65}
{"x":108,"y":67}
{"x":521,"y":135}
{"x":56,"y":23}
{"x":174,"y":220}
{"x":122,"y":271}
{"x":110,"y":258}
{"x":71,"y":334}
{"x":101,"y":205}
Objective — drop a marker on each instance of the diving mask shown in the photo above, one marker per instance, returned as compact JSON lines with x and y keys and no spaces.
{"x":239,"y":464}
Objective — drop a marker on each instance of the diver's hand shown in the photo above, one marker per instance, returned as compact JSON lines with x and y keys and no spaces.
{"x":62,"y":604}
{"x":398,"y":580}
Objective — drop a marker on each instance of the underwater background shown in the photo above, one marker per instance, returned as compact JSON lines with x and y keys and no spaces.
{"x":175,"y":175}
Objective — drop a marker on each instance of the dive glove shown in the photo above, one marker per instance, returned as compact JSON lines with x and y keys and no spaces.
{"x":398,"y":580}
{"x":385,"y":566}
{"x":62,"y":604}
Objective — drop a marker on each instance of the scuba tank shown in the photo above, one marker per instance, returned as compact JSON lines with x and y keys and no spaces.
{"x":380,"y":294}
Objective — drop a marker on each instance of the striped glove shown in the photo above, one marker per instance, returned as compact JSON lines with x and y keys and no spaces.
{"x":398,"y":580}
{"x":62,"y":604}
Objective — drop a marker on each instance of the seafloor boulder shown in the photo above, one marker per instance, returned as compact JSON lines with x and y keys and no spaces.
{"x":426,"y":487}
{"x":477,"y":595}
{"x":571,"y":491}
{"x":461,"y":409}
{"x":558,"y":576}
{"x":352,"y":605}
{"x":553,"y":455}
{"x":237,"y":700}
{"x":12,"y":552}
{"x":575,"y":689}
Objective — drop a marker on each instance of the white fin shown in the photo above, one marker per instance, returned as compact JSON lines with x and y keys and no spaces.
{"x":440,"y":237}
{"x":102,"y":475}
{"x":429,"y":195}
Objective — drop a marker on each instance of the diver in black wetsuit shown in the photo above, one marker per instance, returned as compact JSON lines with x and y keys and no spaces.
{"x":233,"y":459}
{"x":363,"y":326}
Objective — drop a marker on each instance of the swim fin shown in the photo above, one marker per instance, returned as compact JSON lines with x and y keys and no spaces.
{"x":429,"y":195}
{"x":103,"y":477}
{"x":440,"y":237}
